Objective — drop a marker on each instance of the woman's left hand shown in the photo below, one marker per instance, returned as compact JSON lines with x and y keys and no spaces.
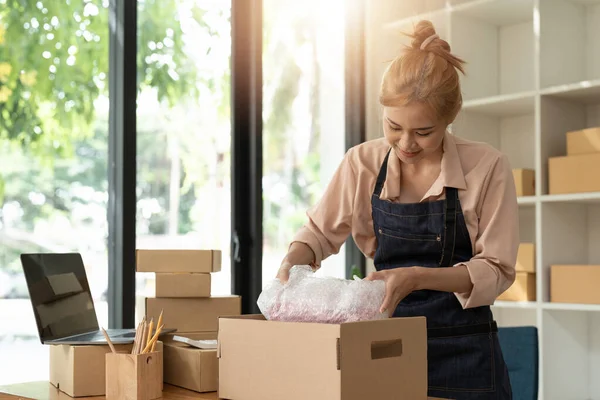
{"x":399,"y":283}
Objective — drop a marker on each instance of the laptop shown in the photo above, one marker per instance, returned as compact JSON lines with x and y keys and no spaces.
{"x":62,"y":302}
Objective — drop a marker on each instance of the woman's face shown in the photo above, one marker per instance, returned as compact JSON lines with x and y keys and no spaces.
{"x":413,"y":132}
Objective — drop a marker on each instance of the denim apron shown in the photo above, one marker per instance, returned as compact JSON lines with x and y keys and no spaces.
{"x":464,"y":356}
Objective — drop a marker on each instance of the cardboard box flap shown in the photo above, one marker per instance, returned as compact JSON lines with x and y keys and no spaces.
{"x":258,"y":317}
{"x":397,"y":344}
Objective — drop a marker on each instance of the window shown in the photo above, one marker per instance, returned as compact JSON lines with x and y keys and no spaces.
{"x":303,"y":119}
{"x":53,"y":156}
{"x":183,"y":133}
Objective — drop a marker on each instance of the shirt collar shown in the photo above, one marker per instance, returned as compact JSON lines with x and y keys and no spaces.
{"x":451,"y":173}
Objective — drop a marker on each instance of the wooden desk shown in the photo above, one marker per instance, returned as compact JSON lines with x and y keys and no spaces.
{"x":45,"y":391}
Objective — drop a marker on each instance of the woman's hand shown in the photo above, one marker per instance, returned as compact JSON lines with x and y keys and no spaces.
{"x":399,"y":283}
{"x":298,"y":254}
{"x":284,"y":271}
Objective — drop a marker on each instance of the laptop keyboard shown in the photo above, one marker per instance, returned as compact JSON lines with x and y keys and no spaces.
{"x":122,"y":333}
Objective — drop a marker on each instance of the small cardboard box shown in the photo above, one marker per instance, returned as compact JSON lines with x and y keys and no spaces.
{"x":575,"y":284}
{"x":191,"y":368}
{"x":134,"y":377}
{"x":200,"y":261}
{"x":585,"y":141}
{"x":79,"y":370}
{"x":270,"y":360}
{"x":193,"y":314}
{"x":523,"y":288}
{"x":574,"y":174}
{"x":182,"y":284}
{"x":524,"y":181}
{"x":526,"y":258}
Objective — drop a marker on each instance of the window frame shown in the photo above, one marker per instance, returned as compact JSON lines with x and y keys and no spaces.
{"x":246,"y":151}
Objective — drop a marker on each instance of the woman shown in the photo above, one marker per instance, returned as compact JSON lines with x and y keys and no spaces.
{"x":437,"y":213}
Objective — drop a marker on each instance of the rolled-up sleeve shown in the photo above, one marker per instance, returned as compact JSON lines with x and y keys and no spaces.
{"x":492,"y":268}
{"x":330,"y":220}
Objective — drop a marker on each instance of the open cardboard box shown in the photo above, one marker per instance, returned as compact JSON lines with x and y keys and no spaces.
{"x":263,"y":360}
{"x":80,"y":370}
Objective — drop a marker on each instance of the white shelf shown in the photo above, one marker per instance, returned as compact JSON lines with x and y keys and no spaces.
{"x":571,"y":307}
{"x":529,"y":305}
{"x":569,"y":50}
{"x":526,"y":200}
{"x":503,"y":105}
{"x":516,"y":304}
{"x":585,"y":198}
{"x":499,"y":49}
{"x":586,"y":92}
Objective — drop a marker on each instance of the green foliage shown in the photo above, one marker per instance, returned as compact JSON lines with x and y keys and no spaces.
{"x":54,"y":65}
{"x":355,"y":271}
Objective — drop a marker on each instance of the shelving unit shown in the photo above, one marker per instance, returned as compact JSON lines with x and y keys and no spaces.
{"x":533,"y":74}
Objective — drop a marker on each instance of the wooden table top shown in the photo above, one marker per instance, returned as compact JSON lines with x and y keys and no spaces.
{"x":46,"y":391}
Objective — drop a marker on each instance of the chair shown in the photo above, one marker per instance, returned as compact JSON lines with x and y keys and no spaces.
{"x":520,"y":350}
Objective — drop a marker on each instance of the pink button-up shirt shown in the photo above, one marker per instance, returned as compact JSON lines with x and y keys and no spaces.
{"x":487,"y":195}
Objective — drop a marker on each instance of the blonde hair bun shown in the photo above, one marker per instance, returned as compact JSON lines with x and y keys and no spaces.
{"x":426,"y":71}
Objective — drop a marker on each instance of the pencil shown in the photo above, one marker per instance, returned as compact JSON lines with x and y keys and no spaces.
{"x":139,"y":336}
{"x":135,"y":339}
{"x":141,"y":345}
{"x":112,"y":348}
{"x":153,"y":341}
{"x":159,"y":323}
{"x":160,"y":318}
{"x":149,"y":331}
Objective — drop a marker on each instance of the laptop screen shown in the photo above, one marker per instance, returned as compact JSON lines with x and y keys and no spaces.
{"x":60,"y":294}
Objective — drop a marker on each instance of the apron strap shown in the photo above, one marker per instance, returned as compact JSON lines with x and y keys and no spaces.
{"x":382,"y":175}
{"x":449,"y":227}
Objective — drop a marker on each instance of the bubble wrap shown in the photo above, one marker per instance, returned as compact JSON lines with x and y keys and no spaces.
{"x":308,"y":298}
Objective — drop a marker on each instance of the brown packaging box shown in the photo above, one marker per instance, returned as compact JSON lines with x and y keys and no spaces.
{"x":199,"y":261}
{"x":523,"y":288}
{"x":193,"y":314}
{"x":270,"y":360}
{"x":79,"y":370}
{"x":191,"y":368}
{"x":182,"y":284}
{"x":575,"y":284}
{"x":585,"y":141}
{"x":574,"y":174}
{"x":134,"y":377}
{"x":524,"y":181}
{"x":526,"y":258}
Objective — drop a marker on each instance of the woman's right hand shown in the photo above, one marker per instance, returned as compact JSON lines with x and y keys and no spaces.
{"x":298,"y":254}
{"x":284,"y":271}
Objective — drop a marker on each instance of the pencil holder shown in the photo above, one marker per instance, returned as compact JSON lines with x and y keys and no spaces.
{"x":133,"y":376}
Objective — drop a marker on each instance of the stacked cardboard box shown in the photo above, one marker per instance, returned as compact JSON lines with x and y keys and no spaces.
{"x":523,"y":289}
{"x":183,"y":294}
{"x":575,"y":284}
{"x":524,"y":181}
{"x":576,"y":172}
